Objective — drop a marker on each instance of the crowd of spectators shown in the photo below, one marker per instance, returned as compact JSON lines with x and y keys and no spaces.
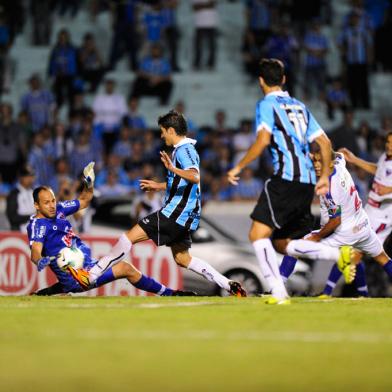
{"x":113,"y":133}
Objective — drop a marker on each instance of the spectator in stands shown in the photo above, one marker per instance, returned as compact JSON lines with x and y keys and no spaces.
{"x":62,"y":143}
{"x":251,"y":55}
{"x":146,"y":203}
{"x":5,"y":44}
{"x":345,"y":135}
{"x":125,"y":37}
{"x":283,"y":45}
{"x":356,"y":45}
{"x":79,"y":107}
{"x":112,"y":188}
{"x":192,"y":127}
{"x":109,"y":109}
{"x":337,"y":98}
{"x":258,"y":16}
{"x":242,"y":140}
{"x":82,"y":154}
{"x":133,"y":118}
{"x":20,"y":203}
{"x":365,"y":21}
{"x":41,"y":12}
{"x":171,"y":31}
{"x":364,"y":140}
{"x":113,"y":163}
{"x":65,"y":6}
{"x":153,"y":23}
{"x":62,"y":174}
{"x":219,"y":190}
{"x":316,"y":48}
{"x":63,"y":68}
{"x":39,"y":104}
{"x":151,"y":147}
{"x":382,"y":41}
{"x":90,"y":63}
{"x":154,"y":77}
{"x":250,"y":188}
{"x":206,"y":23}
{"x":12,"y":144}
{"x":122,"y":148}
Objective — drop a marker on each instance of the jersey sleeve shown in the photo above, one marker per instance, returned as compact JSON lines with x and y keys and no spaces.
{"x":314,"y":129}
{"x":38,"y":232}
{"x":188,"y":158}
{"x":68,"y":207}
{"x":264,"y":116}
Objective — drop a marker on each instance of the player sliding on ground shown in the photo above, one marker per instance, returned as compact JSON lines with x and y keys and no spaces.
{"x":49,"y":231}
{"x":343,"y":222}
{"x":173,"y":223}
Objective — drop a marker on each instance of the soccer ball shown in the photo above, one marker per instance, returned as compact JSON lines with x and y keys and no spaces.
{"x":72,"y":257}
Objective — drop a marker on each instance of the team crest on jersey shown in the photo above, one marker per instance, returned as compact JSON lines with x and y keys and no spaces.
{"x":42,"y":231}
{"x":61,"y":215}
{"x":67,"y":238}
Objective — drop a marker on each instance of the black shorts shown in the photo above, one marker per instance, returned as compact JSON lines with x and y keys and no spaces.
{"x":285,"y":207}
{"x":165,"y":231}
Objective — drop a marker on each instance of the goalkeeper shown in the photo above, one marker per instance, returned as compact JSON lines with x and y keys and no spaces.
{"x":49,"y":231}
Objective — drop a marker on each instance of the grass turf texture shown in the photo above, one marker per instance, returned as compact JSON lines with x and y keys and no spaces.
{"x":194,"y":344}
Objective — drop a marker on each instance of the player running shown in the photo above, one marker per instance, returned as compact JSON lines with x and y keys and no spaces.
{"x":173,"y":223}
{"x":378,"y":208}
{"x":343,"y":222}
{"x":49,"y":231}
{"x":286,"y":126}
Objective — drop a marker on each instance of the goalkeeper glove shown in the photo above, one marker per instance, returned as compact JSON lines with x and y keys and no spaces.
{"x":43,"y":262}
{"x":89,"y":175}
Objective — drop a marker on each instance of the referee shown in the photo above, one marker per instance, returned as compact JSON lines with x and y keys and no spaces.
{"x":287,"y":128}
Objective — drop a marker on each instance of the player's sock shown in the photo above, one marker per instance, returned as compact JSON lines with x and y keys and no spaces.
{"x":287,"y":267}
{"x":360,"y":281}
{"x":266,"y":256}
{"x":388,"y":269}
{"x":120,"y":249}
{"x":305,"y":249}
{"x":106,"y":277}
{"x":333,"y":278}
{"x":201,"y":267}
{"x":152,"y":286}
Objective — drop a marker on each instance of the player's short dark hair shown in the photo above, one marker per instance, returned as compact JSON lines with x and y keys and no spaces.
{"x":272,"y":71}
{"x":175,"y":120}
{"x":37,"y":191}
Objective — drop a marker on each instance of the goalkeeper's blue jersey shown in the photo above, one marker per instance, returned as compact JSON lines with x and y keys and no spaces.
{"x":55,"y":234}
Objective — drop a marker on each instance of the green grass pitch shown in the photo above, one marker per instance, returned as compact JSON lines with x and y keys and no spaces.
{"x":194,"y":344}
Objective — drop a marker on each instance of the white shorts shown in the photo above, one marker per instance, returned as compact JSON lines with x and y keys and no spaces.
{"x":366,"y":241}
{"x":380,"y":219}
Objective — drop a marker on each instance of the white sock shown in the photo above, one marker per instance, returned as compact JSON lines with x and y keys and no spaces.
{"x":120,"y":249}
{"x":201,"y":267}
{"x":266,"y":255}
{"x":305,"y":249}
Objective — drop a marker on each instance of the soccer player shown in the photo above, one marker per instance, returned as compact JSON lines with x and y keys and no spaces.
{"x":343,"y":221}
{"x":378,"y":207}
{"x":180,"y":214}
{"x":49,"y":231}
{"x":286,"y":126}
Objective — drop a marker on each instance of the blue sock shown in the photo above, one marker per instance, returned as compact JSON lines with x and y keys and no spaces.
{"x":287,"y":266}
{"x":152,"y":286}
{"x":106,"y":277}
{"x":388,"y":269}
{"x":333,"y":278}
{"x":360,"y":280}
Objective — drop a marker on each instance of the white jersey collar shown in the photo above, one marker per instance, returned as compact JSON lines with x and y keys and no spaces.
{"x":186,"y":140}
{"x":280,"y":93}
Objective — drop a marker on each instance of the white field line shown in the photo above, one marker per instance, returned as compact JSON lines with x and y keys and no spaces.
{"x":60,"y":305}
{"x":215,"y":335}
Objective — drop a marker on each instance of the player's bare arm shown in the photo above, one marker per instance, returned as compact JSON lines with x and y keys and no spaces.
{"x":36,"y":252}
{"x":255,"y":150}
{"x":369,"y":167}
{"x":326,"y":230}
{"x":383,"y":190}
{"x":324,"y":143}
{"x":152,"y":186}
{"x":191,"y":175}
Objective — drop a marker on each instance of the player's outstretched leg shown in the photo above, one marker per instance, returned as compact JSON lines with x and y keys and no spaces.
{"x":183,"y":258}
{"x":343,"y":256}
{"x":137,"y":279}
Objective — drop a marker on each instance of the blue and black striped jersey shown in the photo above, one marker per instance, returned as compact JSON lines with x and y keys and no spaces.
{"x":292,"y":129}
{"x":183,"y":198}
